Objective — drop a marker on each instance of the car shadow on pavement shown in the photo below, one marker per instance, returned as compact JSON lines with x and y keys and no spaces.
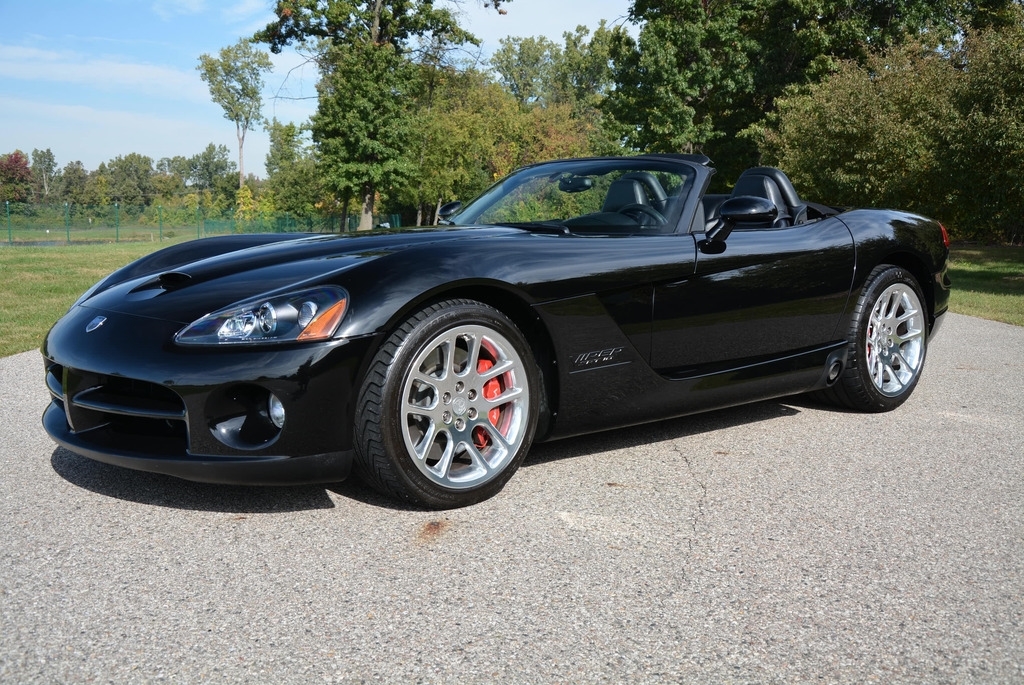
{"x":166,"y":491}
{"x":659,"y":431}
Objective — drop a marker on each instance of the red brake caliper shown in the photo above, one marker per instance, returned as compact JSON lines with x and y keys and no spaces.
{"x":491,"y":390}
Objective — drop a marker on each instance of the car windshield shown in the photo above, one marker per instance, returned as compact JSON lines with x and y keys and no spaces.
{"x":627,"y":195}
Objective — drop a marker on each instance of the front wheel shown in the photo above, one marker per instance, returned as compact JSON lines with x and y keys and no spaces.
{"x":449,"y":406}
{"x":888,"y":340}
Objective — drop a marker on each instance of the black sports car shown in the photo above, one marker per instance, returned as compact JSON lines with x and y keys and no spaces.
{"x":572,"y":296}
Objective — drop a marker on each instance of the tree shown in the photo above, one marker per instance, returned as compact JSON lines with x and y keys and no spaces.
{"x":97,"y":187}
{"x":364,"y":51}
{"x":74,"y":179}
{"x":690,"y":62}
{"x":526,"y":67}
{"x":235,"y":79}
{"x":44,"y":173}
{"x":869,"y":136}
{"x":984,"y":142}
{"x":131,"y":179}
{"x":291,"y":170}
{"x":15,"y":177}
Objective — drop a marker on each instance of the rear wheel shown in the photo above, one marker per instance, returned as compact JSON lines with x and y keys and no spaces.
{"x":449,"y":406}
{"x":888,"y":341}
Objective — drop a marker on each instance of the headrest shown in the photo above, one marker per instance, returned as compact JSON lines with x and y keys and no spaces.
{"x":623,"y":192}
{"x":778,"y":178}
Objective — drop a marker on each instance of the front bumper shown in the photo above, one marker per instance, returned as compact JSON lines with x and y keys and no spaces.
{"x":124,"y":394}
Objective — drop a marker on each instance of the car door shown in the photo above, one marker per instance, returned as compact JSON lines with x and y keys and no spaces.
{"x":769,"y":293}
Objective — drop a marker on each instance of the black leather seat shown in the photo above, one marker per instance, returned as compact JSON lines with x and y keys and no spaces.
{"x":772,"y":184}
{"x":624,"y":192}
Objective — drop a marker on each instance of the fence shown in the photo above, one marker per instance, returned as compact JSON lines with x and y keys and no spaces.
{"x":32,"y":224}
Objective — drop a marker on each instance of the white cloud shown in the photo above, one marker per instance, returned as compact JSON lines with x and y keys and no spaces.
{"x":246,"y":10}
{"x":168,"y":9}
{"x":109,"y":75}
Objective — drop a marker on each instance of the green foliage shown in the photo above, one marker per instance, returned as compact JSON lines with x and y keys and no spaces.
{"x":235,"y":79}
{"x":526,"y":67}
{"x":867,"y":135}
{"x":941,"y":133}
{"x":131,"y":180}
{"x":291,"y":170}
{"x":343,"y":22}
{"x":690,"y":61}
{"x":44,"y":174}
{"x":73,"y":181}
{"x":984,"y":143}
{"x":362,"y":124}
{"x":362,"y":127}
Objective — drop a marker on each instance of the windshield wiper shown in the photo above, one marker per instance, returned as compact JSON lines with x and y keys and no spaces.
{"x":538,"y":226}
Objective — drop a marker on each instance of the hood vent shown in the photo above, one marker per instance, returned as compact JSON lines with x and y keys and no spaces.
{"x":172,"y":280}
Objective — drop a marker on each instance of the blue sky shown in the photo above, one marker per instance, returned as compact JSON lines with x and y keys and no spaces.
{"x":93,"y":79}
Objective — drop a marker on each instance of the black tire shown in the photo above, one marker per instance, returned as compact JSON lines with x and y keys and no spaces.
{"x":888,"y":337}
{"x":449,"y":406}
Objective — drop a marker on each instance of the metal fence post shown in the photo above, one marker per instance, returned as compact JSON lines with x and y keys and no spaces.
{"x":160,"y":213}
{"x":199,"y":225}
{"x":117,"y":223}
{"x":7,"y":204}
{"x":67,"y":222}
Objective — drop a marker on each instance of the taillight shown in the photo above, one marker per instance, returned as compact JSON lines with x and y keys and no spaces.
{"x":945,"y":235}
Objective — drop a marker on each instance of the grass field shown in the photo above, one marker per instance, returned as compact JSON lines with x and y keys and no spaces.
{"x":988,"y":282}
{"x":40,"y":283}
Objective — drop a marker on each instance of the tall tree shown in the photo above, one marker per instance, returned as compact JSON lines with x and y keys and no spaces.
{"x":526,"y":67}
{"x":235,"y":79}
{"x":364,"y":51}
{"x":44,"y":174}
{"x":689,"y":63}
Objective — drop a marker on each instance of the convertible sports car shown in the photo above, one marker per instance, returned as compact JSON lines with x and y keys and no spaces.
{"x":572,"y":296}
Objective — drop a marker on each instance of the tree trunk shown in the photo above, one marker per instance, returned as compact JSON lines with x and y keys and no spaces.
{"x":419,"y":214}
{"x":366,"y":215}
{"x":241,"y":165}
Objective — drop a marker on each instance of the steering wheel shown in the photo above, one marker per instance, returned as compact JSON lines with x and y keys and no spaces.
{"x":638,"y":211}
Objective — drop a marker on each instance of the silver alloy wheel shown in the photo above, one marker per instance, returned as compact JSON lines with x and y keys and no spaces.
{"x":465,"y":405}
{"x":895,"y":339}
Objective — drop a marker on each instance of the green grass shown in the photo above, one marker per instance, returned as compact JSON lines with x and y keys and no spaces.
{"x":988,"y":282}
{"x":40,"y":283}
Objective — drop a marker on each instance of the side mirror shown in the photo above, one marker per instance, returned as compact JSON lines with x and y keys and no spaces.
{"x":448,"y":210}
{"x":745,"y":209}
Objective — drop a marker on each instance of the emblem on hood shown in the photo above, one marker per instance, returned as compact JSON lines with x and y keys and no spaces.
{"x":95,"y":323}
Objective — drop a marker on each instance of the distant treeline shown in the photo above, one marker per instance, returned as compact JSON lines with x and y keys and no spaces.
{"x":909,"y":104}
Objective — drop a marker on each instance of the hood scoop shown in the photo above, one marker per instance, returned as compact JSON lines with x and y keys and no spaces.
{"x":172,"y":280}
{"x":169,"y":280}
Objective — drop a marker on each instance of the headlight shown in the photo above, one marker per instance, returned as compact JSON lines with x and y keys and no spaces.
{"x":304,"y":316}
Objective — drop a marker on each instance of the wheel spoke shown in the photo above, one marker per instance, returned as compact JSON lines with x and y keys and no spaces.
{"x":505,"y":397}
{"x":426,"y":442}
{"x":495,"y":371}
{"x":443,"y":467}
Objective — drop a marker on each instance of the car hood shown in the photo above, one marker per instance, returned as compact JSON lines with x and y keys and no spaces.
{"x":189,"y":291}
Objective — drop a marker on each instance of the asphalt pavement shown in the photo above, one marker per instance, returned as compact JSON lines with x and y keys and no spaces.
{"x":779,"y":542}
